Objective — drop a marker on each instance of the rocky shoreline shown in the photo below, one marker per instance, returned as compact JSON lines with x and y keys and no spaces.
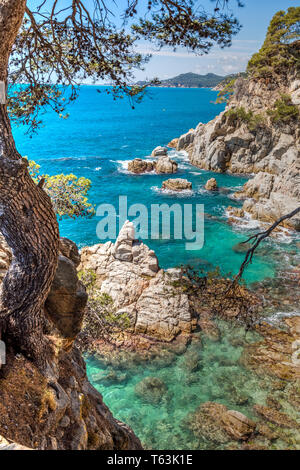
{"x":164,"y":324}
{"x":245,"y":139}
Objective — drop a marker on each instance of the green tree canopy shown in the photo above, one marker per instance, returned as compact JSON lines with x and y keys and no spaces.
{"x":281,"y":48}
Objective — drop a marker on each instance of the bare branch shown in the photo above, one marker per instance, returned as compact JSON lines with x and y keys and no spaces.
{"x":258,"y":238}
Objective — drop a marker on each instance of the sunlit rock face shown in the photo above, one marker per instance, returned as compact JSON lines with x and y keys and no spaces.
{"x":128,"y":271}
{"x":270,"y":150}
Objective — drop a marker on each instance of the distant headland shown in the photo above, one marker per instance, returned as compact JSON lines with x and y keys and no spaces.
{"x":192,"y":80}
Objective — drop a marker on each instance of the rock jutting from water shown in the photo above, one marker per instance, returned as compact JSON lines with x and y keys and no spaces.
{"x":129,"y":273}
{"x":141,"y":166}
{"x":166,"y":165}
{"x":177,"y":184}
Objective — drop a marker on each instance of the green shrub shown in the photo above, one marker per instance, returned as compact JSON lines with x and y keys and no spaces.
{"x":101,"y":321}
{"x":68,"y":193}
{"x":284,"y":110}
{"x":280,"y":50}
{"x":252,"y":120}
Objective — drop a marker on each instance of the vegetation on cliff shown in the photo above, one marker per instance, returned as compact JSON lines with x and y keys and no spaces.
{"x":68,"y":193}
{"x":280,"y":50}
{"x":101,"y":320}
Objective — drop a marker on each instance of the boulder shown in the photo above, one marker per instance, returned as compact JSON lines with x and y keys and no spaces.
{"x":70,"y":250}
{"x":140,"y":166}
{"x":159,"y":152}
{"x":211,"y":185}
{"x":128,"y":271}
{"x":177,"y":184}
{"x":166,"y":165}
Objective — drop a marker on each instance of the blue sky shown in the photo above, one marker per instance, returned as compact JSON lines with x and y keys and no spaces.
{"x":254,"y":17}
{"x":165,"y":63}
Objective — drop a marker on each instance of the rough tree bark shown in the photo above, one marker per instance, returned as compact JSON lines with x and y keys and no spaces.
{"x":27,"y":222}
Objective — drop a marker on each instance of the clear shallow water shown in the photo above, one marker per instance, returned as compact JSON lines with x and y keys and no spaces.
{"x":99,"y":138}
{"x":96,"y":142}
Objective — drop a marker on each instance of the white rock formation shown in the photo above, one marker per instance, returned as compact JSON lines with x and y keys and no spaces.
{"x":128,"y":271}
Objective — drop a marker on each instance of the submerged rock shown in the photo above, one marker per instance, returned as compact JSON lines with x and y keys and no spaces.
{"x":192,"y":360}
{"x":276,"y":354}
{"x":241,"y":247}
{"x":209,"y":327}
{"x":151,"y":389}
{"x":177,"y":184}
{"x":216,"y":423}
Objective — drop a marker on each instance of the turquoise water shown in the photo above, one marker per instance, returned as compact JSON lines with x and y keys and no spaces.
{"x":97,"y":140}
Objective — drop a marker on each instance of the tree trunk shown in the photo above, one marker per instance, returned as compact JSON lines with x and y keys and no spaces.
{"x":27,"y":222}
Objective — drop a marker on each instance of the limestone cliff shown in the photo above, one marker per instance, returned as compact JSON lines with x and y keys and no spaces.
{"x":255,"y":136}
{"x":59,"y":408}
